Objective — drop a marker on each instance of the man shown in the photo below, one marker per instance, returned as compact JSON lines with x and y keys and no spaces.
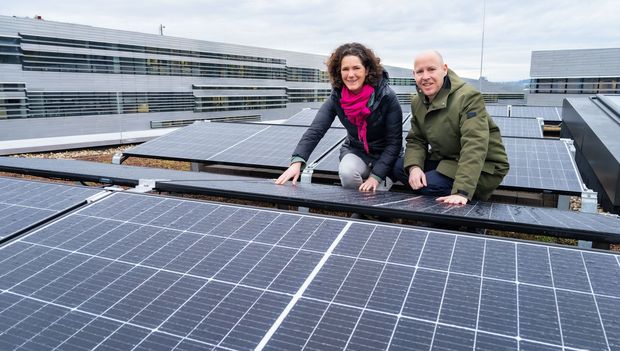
{"x":454,"y":149}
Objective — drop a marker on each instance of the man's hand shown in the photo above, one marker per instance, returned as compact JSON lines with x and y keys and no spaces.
{"x":293,"y":171}
{"x":369,"y":185}
{"x":417,"y":178}
{"x":455,"y":199}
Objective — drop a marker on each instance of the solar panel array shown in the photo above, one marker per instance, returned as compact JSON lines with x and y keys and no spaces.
{"x":535,"y":164}
{"x":535,"y":220}
{"x":273,"y":147}
{"x":541,"y":164}
{"x":174,"y":274}
{"x":402,"y":205}
{"x":199,"y":141}
{"x":497,"y":110}
{"x":548,"y":113}
{"x":305,"y":118}
{"x":519,"y":127}
{"x":23,"y":204}
{"x":234,"y":143}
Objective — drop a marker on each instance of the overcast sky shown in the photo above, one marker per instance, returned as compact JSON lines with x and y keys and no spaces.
{"x":395,"y":29}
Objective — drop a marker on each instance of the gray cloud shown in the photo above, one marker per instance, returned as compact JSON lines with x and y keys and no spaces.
{"x":395,"y":29}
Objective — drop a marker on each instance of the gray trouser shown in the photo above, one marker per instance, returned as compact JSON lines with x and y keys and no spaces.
{"x":353,"y":171}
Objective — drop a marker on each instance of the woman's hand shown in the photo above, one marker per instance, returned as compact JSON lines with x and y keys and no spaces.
{"x":293,"y":171}
{"x":369,"y":185}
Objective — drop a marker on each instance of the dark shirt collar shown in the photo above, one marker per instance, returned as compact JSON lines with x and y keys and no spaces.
{"x":446,"y":85}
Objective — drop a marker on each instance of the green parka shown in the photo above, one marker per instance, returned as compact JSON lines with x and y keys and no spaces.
{"x":456,"y":130}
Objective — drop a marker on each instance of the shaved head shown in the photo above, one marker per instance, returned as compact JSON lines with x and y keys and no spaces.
{"x":429,"y":54}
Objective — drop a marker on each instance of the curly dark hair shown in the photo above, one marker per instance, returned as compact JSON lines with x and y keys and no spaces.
{"x":371,"y":62}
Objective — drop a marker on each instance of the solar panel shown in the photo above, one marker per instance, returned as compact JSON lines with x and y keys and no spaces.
{"x":395,"y":204}
{"x":24,"y":204}
{"x":548,"y":113}
{"x":198,"y":141}
{"x":305,"y":118}
{"x":168,"y":273}
{"x":477,"y":214}
{"x":535,"y":164}
{"x":545,"y":164}
{"x":273,"y":147}
{"x":519,"y":127}
{"x":100,"y":172}
{"x":497,"y":110}
{"x":234,"y":143}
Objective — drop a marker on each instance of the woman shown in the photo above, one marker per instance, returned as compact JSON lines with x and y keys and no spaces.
{"x":369,"y":110}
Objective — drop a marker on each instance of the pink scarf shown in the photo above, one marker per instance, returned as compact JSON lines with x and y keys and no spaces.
{"x":356,"y":109}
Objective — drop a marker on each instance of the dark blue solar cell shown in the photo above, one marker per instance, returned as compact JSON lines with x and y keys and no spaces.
{"x":538,"y":316}
{"x":452,"y":339}
{"x":526,"y":345}
{"x":408,"y":247}
{"x":217,"y":258}
{"x":372,"y":332}
{"x":216,"y":325}
{"x":159,"y":342}
{"x":391,"y":289}
{"x":124,"y":338}
{"x":609,"y":309}
{"x":460,"y":301}
{"x":468,"y":255}
{"x":359,"y":283}
{"x":604,"y":273}
{"x":242,"y":263}
{"x":569,"y":270}
{"x":255,"y":323}
{"x":298,"y":235}
{"x":326,"y":284}
{"x":425,"y":294}
{"x":298,"y":326}
{"x":119,"y":288}
{"x":167,"y":301}
{"x":354,"y":240}
{"x":290,"y":279}
{"x":258,"y":223}
{"x":499,"y":260}
{"x":200,"y":305}
{"x":489,"y":342}
{"x":323,"y":237}
{"x":437,"y":251}
{"x":381,"y":243}
{"x":581,"y":324}
{"x":93,"y":284}
{"x":268,"y":268}
{"x":498,"y":307}
{"x":533,"y":265}
{"x":334,"y":328}
{"x":411,"y":334}
{"x":91,"y":335}
{"x":39,"y":281}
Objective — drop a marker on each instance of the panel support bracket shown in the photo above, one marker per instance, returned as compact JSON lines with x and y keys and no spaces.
{"x":306,"y":178}
{"x":118,"y":158}
{"x":589,"y":201}
{"x":145,"y":185}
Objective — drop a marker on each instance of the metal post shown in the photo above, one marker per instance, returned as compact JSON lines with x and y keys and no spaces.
{"x":306,"y":178}
{"x":589,"y":201}
{"x":484,"y":7}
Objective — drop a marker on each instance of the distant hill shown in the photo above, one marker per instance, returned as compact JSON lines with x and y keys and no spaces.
{"x":499,"y":87}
